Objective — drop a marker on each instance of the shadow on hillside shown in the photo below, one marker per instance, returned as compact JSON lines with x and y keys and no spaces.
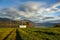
{"x":18,"y":37}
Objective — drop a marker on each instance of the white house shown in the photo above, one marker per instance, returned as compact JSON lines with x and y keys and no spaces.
{"x":22,"y":26}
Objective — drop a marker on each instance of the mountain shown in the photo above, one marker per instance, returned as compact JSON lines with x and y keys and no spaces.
{"x":49,"y":23}
{"x":52,"y":23}
{"x":5,"y":22}
{"x":5,"y":19}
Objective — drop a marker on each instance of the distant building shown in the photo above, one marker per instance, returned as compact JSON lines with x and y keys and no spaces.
{"x":24,"y":24}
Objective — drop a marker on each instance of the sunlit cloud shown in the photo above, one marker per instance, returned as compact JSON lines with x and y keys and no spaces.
{"x":34,"y":11}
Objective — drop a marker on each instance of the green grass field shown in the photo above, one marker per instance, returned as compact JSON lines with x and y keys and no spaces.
{"x":29,"y":33}
{"x":5,"y":32}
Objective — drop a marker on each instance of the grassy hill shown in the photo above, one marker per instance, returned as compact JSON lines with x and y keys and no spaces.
{"x":30,"y":33}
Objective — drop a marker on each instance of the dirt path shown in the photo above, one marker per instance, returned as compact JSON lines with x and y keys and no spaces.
{"x":18,"y":37}
{"x":8,"y":35}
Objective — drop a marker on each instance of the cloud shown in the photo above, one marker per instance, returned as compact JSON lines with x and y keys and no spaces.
{"x":55,"y":5}
{"x":9,"y":13}
{"x":31,"y":10}
{"x":53,"y":8}
{"x":34,"y":11}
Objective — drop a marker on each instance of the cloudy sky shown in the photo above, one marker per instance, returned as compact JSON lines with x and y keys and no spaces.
{"x":38,"y":11}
